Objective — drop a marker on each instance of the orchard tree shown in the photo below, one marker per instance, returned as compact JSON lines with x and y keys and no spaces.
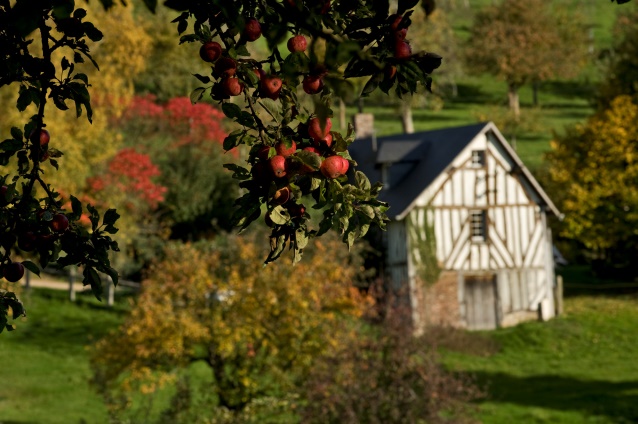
{"x":595,"y":169}
{"x":526,"y":41}
{"x":293,"y":158}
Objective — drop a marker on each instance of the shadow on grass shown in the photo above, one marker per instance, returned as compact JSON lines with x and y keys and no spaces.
{"x":55,"y":323}
{"x":617,"y":400}
{"x":570,"y":89}
{"x":473,"y":93}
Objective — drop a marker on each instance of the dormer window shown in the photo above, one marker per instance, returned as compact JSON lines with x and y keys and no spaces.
{"x":478,"y":158}
{"x":478,"y":227}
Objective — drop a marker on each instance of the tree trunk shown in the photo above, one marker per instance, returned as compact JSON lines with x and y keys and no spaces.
{"x":360,"y":105}
{"x":512,"y":95}
{"x":406,"y":118}
{"x":535,"y":87}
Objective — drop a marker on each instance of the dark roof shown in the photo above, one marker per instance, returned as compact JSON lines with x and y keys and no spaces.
{"x":413,"y":161}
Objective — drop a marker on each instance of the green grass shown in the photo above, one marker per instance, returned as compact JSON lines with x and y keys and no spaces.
{"x":562,"y":103}
{"x":45,"y":368}
{"x":579,"y":368}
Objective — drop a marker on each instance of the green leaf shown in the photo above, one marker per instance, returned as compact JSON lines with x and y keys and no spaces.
{"x":232,"y":139}
{"x":151,"y":5}
{"x":405,"y":5}
{"x":367,"y":210}
{"x":310,"y":159}
{"x":246,"y":119}
{"x":301,"y":238}
{"x":279,"y":215}
{"x":110,"y":216}
{"x":231,"y":110}
{"x":197,"y":94}
{"x":91,"y":31}
{"x":115,"y":277}
{"x":76,"y":206}
{"x":202,"y":78}
{"x":80,"y":94}
{"x":82,"y":77}
{"x":31,"y":267}
{"x":272,"y":108}
{"x":92,"y":278}
{"x":16,"y":133}
{"x":239,"y":172}
{"x":277,"y":246}
{"x":11,"y":145}
{"x":26,"y":97}
{"x":79,"y":13}
{"x":362,"y":181}
{"x":94,"y":216}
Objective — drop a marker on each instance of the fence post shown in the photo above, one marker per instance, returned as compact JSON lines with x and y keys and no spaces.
{"x":110,"y":291}
{"x":558,"y":295}
{"x":72,"y":271}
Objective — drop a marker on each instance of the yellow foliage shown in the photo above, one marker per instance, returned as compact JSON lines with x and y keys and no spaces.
{"x":595,"y":167}
{"x":225,"y":308}
{"x":86,"y":147}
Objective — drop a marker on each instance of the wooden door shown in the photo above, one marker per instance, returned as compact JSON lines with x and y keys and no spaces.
{"x":480,"y":302}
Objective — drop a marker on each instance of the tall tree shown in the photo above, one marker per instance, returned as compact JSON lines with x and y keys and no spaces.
{"x":621,"y":75}
{"x":523,"y":41}
{"x":595,"y":169}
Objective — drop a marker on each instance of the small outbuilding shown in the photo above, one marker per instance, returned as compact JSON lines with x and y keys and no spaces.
{"x":468,"y":244}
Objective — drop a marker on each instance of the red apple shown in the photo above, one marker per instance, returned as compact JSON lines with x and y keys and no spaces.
{"x":390,"y":72}
{"x":284,"y":151}
{"x":312,"y":84}
{"x":297,"y":44}
{"x":326,"y":141}
{"x":281,"y":196}
{"x":334,"y":167}
{"x":263,"y":152}
{"x":296,"y":210}
{"x":316,"y":132}
{"x":42,"y":138}
{"x":278,"y":166}
{"x":271,"y":87}
{"x":59,"y":223}
{"x":252,"y":29}
{"x":395,"y":20}
{"x":402,"y":49}
{"x":13,"y":272}
{"x":26,"y":241}
{"x":225,"y":67}
{"x":232,"y":86}
{"x":210,"y":51}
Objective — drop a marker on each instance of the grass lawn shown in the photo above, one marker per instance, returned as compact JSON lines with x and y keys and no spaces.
{"x":579,"y":368}
{"x":45,"y":368}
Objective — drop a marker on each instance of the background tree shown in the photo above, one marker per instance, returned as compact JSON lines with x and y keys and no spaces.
{"x":523,"y":41}
{"x":595,"y":169}
{"x":621,"y":70}
{"x":256,"y":329}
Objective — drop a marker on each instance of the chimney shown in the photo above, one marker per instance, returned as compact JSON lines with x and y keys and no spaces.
{"x":363,"y":125}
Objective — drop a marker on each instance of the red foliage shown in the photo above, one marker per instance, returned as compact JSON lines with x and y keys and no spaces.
{"x":186,"y":122}
{"x":132,"y":173}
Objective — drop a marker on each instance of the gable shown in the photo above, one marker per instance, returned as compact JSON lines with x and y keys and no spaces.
{"x":413,"y":166}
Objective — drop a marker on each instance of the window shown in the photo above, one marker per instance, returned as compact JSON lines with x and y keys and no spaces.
{"x":478,"y":158}
{"x":478,"y":227}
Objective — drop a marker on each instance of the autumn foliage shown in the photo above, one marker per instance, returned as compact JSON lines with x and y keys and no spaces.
{"x":131,"y":173}
{"x":257,"y":329}
{"x":595,"y":169}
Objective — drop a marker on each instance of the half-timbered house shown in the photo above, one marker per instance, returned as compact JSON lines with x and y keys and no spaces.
{"x":468,"y":240}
